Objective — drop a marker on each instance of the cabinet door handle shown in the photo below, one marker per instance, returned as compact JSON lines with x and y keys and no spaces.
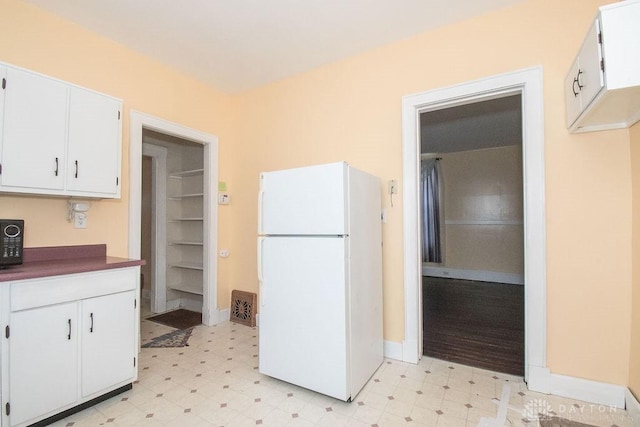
{"x":76,"y":174}
{"x":576,"y":80}
{"x":69,"y":334}
{"x":56,"y":171}
{"x":91,"y":327}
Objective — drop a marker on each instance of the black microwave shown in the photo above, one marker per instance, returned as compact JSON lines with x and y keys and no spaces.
{"x":11,"y":241}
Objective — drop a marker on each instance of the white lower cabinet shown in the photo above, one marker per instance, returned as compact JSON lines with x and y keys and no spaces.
{"x":68,"y":340}
{"x":108,"y":341}
{"x":43,"y":360}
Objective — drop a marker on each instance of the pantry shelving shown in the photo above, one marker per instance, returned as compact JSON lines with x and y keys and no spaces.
{"x":185,"y":239}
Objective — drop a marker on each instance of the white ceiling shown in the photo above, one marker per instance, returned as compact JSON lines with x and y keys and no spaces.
{"x":240,"y":44}
{"x":474,"y":126}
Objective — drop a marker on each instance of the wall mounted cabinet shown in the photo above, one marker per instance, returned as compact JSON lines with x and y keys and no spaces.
{"x":602,"y":88}
{"x":57,"y":138}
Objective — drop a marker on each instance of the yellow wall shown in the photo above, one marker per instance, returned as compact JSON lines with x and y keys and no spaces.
{"x":351,"y":110}
{"x":480,"y":186}
{"x":634,"y":357}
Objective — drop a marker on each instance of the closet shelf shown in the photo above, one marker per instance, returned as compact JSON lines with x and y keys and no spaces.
{"x":191,"y":288}
{"x":185,"y":196}
{"x":482,"y":222}
{"x":185,"y":242}
{"x":188,"y":265}
{"x":184,"y":174}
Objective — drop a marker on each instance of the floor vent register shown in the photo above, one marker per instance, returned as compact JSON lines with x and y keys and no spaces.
{"x":243,"y":307}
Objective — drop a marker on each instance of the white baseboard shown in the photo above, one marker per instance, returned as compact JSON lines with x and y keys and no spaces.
{"x":480,"y":275}
{"x":539,"y":379}
{"x":392,"y":350}
{"x":218,"y":316}
{"x":411,"y":351}
{"x":632,"y":405}
{"x":224,"y":315}
{"x":543,"y":381}
{"x":190,"y":304}
{"x":173,"y":304}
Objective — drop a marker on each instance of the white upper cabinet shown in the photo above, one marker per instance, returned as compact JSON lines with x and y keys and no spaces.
{"x":93,"y":159}
{"x":34,"y":132}
{"x":585,"y":78}
{"x":57,"y":138}
{"x":602,"y":88}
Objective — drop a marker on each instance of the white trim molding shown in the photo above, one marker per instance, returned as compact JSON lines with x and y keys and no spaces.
{"x":479,"y":275}
{"x":632,"y":405}
{"x":223,"y":315}
{"x":543,"y":381}
{"x":528,"y":83}
{"x":392,"y":350}
{"x":587,"y":390}
{"x":140,"y":121}
{"x":158,"y":226}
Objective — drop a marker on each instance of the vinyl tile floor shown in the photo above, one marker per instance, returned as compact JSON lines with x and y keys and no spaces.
{"x":215,"y":382}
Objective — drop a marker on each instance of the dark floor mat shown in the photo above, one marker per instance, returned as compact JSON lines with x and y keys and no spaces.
{"x":177,"y":338}
{"x":179,"y":319}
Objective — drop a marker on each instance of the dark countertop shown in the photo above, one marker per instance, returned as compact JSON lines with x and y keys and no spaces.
{"x":58,"y":260}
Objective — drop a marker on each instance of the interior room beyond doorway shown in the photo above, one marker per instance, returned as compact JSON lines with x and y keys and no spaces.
{"x":473,"y":233}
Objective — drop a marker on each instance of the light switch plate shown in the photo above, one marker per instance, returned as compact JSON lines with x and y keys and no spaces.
{"x":224,"y":198}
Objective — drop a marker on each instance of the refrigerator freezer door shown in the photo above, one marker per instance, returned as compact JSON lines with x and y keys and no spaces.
{"x":304,"y":201}
{"x":303,"y":312}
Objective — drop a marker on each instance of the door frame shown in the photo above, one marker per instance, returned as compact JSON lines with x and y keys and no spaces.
{"x":211,"y":315}
{"x":528,"y":83}
{"x":158,"y":157}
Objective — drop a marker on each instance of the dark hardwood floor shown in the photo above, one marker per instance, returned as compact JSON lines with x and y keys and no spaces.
{"x":479,"y":324}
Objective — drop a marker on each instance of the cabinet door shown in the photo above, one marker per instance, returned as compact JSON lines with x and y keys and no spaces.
{"x":572,"y":93}
{"x":591,"y":77}
{"x":93,"y":159}
{"x":34,"y":132}
{"x":108,"y":341}
{"x":43,"y":360}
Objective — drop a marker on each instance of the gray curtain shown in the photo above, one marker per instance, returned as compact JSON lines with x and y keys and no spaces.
{"x":430,"y":209}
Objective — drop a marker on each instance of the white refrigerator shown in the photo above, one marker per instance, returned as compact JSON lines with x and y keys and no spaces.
{"x":320,"y":276}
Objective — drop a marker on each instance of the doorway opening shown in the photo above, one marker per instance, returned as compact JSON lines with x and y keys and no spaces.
{"x":471,"y":204}
{"x":172,"y":222}
{"x":527,"y":83}
{"x":184,"y":221}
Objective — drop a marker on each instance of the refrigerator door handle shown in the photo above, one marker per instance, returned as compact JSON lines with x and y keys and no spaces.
{"x":260,"y":277}
{"x":260,"y":202}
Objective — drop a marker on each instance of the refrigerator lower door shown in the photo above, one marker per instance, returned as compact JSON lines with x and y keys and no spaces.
{"x":303,"y":311}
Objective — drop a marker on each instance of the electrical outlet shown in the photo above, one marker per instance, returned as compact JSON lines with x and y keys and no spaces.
{"x":393,"y":186}
{"x":80,"y":220}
